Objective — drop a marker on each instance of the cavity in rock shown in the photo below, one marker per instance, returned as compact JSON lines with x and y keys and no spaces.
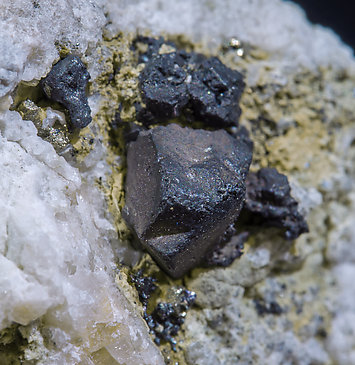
{"x":269,"y":202}
{"x":66,"y":84}
{"x":184,"y":188}
{"x":203,"y":89}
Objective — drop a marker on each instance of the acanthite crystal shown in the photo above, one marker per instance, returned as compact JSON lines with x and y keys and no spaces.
{"x":66,"y":84}
{"x":269,"y":202}
{"x":184,"y":188}
{"x":178,"y":82}
{"x":214,"y":92}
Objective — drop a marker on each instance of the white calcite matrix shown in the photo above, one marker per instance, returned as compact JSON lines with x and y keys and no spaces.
{"x":57,"y":239}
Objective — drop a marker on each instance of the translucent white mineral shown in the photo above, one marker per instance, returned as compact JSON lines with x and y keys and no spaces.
{"x":56,"y":261}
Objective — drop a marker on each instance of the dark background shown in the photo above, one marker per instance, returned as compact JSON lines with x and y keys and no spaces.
{"x":338,"y":15}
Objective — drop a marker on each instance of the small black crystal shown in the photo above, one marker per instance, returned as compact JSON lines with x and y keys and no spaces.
{"x":269,"y":202}
{"x":184,"y":187}
{"x":163,"y":85}
{"x":167,"y":318}
{"x":263,"y":307}
{"x":215,"y":91}
{"x":66,"y":84}
{"x":145,"y":286}
{"x":174,"y":82}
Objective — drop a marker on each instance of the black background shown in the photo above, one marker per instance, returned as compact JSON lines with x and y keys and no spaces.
{"x":338,"y":15}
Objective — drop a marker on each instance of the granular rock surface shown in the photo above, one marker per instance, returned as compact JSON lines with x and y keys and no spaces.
{"x":65,"y":252}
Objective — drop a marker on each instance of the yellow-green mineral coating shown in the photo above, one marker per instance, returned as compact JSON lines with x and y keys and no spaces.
{"x":118,"y":88}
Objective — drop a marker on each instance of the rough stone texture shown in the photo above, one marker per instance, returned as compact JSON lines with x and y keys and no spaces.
{"x":56,"y":260}
{"x":50,"y":124}
{"x":282,"y":111}
{"x":66,"y":84}
{"x":184,"y":187}
{"x":27,"y":54}
{"x":224,"y":255}
{"x":299,"y":106}
{"x":215,"y":91}
{"x":171,"y":82}
{"x":163,"y":85}
{"x":268,"y":25}
{"x":269,"y":202}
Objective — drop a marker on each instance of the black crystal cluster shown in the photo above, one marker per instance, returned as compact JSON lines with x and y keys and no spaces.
{"x":66,"y":84}
{"x":145,"y":286}
{"x":269,"y":203}
{"x":177,"y":83}
{"x":166,"y":319}
{"x":185,"y":188}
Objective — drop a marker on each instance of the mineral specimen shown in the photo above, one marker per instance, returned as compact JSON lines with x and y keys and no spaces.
{"x":215,"y":91}
{"x":163,"y":84}
{"x":184,"y":187}
{"x":269,"y":201}
{"x":66,"y":84}
{"x":173,"y":82}
{"x":300,"y":81}
{"x":167,"y":318}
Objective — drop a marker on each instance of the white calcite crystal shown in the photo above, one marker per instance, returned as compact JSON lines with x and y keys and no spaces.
{"x":57,"y":264}
{"x":58,"y":243}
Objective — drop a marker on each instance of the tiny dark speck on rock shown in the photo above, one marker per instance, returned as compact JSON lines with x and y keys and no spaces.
{"x":66,"y":84}
{"x":263,"y":307}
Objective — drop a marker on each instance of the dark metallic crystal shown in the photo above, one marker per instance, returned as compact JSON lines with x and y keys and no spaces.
{"x":66,"y":84}
{"x":269,"y":202}
{"x":215,"y":91}
{"x":178,"y":82}
{"x":184,"y":188}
